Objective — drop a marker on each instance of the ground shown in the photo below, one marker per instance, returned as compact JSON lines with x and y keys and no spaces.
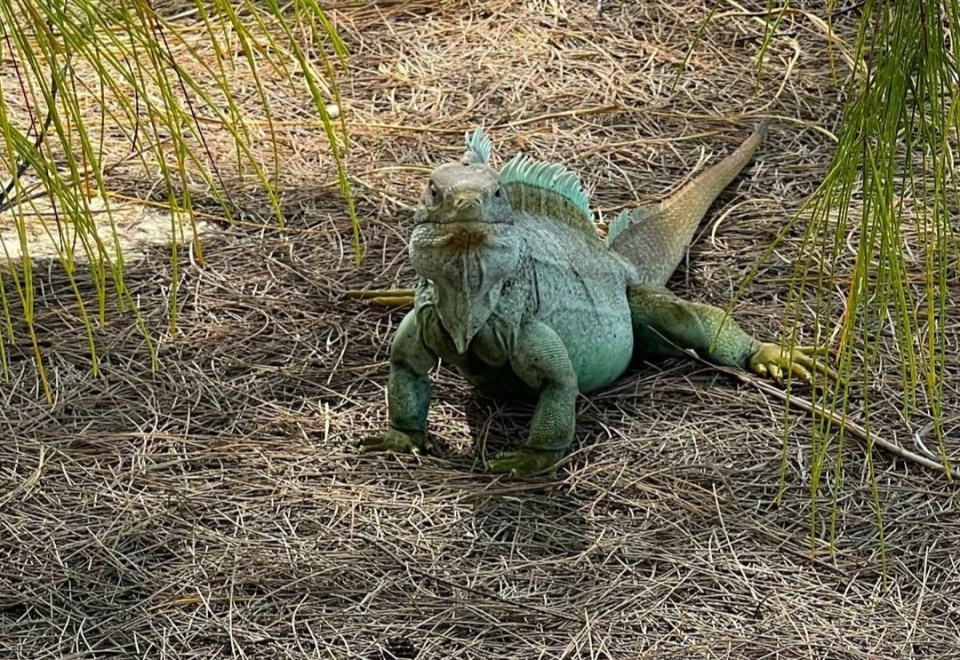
{"x":219,"y":507}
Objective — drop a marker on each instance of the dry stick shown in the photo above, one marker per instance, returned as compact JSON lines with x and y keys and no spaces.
{"x":575,"y":112}
{"x":386,"y":297}
{"x":835,"y":418}
{"x":364,"y":294}
{"x":31,"y":480}
{"x":812,"y":408}
{"x":395,"y":555}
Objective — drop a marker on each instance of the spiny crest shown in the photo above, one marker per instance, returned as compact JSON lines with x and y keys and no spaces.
{"x":479,"y":147}
{"x":627,"y":218}
{"x":548,"y":189}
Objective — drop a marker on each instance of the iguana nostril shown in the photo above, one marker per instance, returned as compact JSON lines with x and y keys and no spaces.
{"x":466,"y":201}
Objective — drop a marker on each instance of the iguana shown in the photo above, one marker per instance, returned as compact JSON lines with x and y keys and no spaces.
{"x":525,"y":300}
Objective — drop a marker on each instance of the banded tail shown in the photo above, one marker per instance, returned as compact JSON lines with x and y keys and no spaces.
{"x":655,"y":237}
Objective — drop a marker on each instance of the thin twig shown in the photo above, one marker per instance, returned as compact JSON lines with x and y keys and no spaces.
{"x":814,"y":409}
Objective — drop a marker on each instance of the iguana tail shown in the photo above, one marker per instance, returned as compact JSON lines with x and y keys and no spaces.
{"x":655,"y":237}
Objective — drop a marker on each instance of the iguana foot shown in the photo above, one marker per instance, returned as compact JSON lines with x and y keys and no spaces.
{"x":388,"y":297}
{"x":415,"y":442}
{"x":524,"y":462}
{"x":776,"y":362}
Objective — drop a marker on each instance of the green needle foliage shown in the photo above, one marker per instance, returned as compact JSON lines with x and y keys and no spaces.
{"x":895,"y":151}
{"x":150,"y":83}
{"x":895,"y":160}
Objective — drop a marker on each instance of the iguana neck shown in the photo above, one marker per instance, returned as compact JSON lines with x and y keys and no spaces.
{"x":468,"y":263}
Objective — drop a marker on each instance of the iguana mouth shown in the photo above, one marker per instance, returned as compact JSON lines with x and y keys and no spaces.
{"x":453,"y":223}
{"x":459,"y":225}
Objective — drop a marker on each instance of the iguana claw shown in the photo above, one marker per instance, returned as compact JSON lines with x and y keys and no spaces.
{"x":388,"y":297}
{"x":524,"y":462}
{"x":398,"y":441}
{"x":776,"y":362}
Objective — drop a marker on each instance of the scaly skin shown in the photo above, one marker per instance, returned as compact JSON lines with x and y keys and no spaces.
{"x":523,"y":299}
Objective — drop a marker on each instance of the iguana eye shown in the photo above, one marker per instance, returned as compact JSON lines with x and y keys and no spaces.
{"x":498,"y":192}
{"x":433,"y":190}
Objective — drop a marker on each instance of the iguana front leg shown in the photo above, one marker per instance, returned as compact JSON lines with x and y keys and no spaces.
{"x":541,"y":360}
{"x":408,"y":392}
{"x":708,"y":330}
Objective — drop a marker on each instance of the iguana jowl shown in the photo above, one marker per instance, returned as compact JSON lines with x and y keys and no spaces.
{"x":525,"y":300}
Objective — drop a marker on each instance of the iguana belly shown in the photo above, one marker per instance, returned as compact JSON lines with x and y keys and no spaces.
{"x":597,"y":363}
{"x":582,"y":296}
{"x":600,"y":347}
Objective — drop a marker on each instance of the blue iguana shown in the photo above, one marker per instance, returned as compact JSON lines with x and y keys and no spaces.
{"x":525,"y":300}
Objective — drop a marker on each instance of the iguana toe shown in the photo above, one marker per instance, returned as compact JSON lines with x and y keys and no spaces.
{"x":388,"y":297}
{"x":802,"y":362}
{"x":398,"y":441}
{"x":523,"y":463}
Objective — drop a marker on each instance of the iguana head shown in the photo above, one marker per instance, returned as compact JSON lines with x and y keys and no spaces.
{"x":463,"y":241}
{"x":459,"y":193}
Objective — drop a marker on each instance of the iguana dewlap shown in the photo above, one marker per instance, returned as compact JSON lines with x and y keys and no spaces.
{"x":525,"y":300}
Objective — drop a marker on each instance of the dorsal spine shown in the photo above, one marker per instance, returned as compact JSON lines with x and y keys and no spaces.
{"x":548,"y":189}
{"x":627,"y":218}
{"x":479,"y":147}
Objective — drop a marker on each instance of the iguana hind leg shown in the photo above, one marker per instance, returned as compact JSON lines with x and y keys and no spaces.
{"x":662,"y":322}
{"x":408,"y":392}
{"x":541,"y":360}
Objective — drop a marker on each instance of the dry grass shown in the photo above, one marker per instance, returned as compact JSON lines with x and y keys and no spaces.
{"x":219,"y":508}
